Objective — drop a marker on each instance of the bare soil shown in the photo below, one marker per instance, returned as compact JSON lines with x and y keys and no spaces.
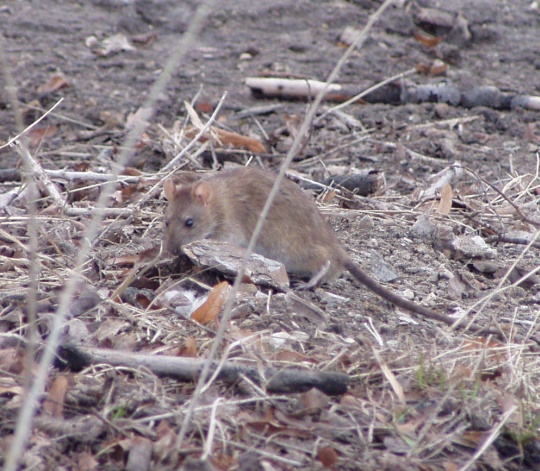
{"x":421,"y":395}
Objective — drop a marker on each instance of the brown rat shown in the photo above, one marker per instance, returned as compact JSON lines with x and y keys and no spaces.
{"x":225,"y":206}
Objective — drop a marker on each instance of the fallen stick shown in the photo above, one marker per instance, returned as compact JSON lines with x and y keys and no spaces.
{"x":290,"y":380}
{"x":42,"y":180}
{"x":395,"y":93}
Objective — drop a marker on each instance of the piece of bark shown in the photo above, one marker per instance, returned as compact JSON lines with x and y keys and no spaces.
{"x":227,"y":258}
{"x":291,"y":380}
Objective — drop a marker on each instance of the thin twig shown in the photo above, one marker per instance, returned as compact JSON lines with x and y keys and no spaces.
{"x":355,"y":98}
{"x":506,"y":198}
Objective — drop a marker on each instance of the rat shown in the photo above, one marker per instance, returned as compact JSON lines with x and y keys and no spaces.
{"x":226,"y":205}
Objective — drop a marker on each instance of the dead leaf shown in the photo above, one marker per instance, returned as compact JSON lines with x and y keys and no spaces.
{"x":291,"y":356}
{"x":329,"y":196}
{"x":310,"y":403}
{"x":427,"y":39}
{"x":110,"y":328}
{"x":54,"y":83}
{"x":211,"y":308}
{"x":54,"y":403}
{"x":438,"y":67}
{"x":143,"y":300}
{"x":270,"y":425}
{"x":12,"y":360}
{"x":165,"y":447}
{"x":204,"y":107}
{"x":472,"y":438}
{"x":86,"y":461}
{"x":144,"y":38}
{"x":450,"y":466}
{"x":123,"y":260}
{"x":327,"y":456}
{"x":445,"y":204}
{"x":37,"y":135}
{"x":221,"y":461}
{"x":228,"y":138}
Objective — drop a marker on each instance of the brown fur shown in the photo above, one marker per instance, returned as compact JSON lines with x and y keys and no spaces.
{"x":226,"y":206}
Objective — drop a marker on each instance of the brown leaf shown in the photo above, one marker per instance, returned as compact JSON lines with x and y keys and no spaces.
{"x":228,"y":138}
{"x":450,"y":466}
{"x":438,"y":67}
{"x":143,"y":300}
{"x":222,"y":461}
{"x":11,"y":360}
{"x":311,"y":402}
{"x":291,"y":356}
{"x":269,"y":425}
{"x":204,"y":107}
{"x":123,"y":260}
{"x":54,"y":83}
{"x":427,"y":39}
{"x":327,"y":456}
{"x":54,"y":404}
{"x":350,"y":401}
{"x":127,"y":193}
{"x":36,"y":135}
{"x":329,"y":196}
{"x":144,"y":38}
{"x":211,"y":308}
{"x":472,"y":438}
{"x":86,"y":461}
{"x":445,"y":204}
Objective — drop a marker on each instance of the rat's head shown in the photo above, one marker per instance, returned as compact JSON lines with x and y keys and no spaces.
{"x":189,"y":216}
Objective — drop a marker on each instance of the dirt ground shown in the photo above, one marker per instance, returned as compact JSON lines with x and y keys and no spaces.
{"x":421,"y":395}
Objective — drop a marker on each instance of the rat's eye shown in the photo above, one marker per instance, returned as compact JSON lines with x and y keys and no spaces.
{"x":189,"y":222}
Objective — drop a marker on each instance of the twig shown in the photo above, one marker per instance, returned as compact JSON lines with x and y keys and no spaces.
{"x":61,"y":116}
{"x":366,"y":92}
{"x":198,"y":136}
{"x":208,"y":446}
{"x":483,"y":302}
{"x":278,"y":381}
{"x":506,"y":198}
{"x":36,"y":170}
{"x":84,"y":176}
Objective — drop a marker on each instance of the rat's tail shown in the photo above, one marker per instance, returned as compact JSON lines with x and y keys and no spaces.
{"x":394,"y":298}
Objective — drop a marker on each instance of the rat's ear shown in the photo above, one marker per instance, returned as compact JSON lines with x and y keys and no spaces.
{"x":202,"y":192}
{"x":170,"y":190}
